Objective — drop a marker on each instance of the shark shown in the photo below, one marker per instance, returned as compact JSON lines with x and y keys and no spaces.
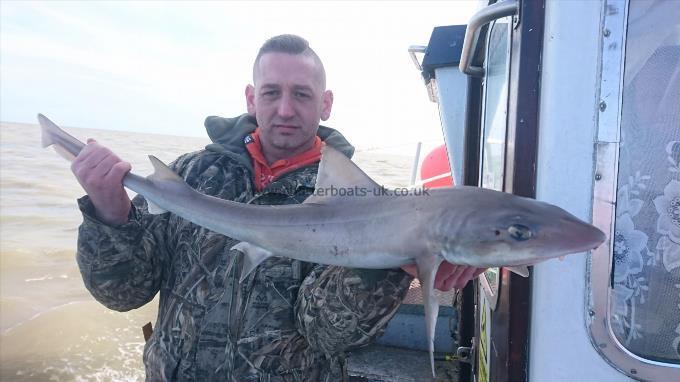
{"x":367,"y":227}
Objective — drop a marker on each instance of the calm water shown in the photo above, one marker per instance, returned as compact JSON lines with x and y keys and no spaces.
{"x":50,"y":327}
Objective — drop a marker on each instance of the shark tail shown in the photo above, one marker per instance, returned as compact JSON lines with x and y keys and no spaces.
{"x":63,"y":153}
{"x":46,"y":137}
{"x":63,"y":143}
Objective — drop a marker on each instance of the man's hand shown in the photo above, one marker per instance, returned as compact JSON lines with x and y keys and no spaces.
{"x":449,"y":275}
{"x":100,"y":172}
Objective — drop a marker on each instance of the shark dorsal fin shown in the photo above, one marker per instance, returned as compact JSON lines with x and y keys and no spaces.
{"x":162,"y":172}
{"x":339,"y":178}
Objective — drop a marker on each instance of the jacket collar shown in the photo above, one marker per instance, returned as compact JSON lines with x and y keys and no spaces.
{"x":228,"y":135}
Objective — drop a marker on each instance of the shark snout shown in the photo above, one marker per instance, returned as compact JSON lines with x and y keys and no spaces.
{"x":579,"y":235}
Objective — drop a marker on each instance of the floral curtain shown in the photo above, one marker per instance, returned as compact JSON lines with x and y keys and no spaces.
{"x":646,"y":279}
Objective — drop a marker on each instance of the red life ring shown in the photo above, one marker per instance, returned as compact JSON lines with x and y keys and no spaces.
{"x":436,"y":163}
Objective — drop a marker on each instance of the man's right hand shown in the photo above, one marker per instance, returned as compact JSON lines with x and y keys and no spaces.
{"x":100,"y":172}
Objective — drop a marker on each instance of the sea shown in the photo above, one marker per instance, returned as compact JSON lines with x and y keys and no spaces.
{"x":51,"y":329}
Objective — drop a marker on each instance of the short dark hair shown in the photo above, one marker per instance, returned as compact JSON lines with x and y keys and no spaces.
{"x":290,"y":44}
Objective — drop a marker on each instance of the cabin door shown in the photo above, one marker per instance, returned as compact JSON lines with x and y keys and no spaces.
{"x":503,"y":157}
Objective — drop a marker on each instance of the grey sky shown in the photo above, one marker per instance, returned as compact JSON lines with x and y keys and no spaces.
{"x":161,"y":67}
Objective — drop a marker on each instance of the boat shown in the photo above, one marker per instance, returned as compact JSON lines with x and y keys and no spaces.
{"x":576,"y":103}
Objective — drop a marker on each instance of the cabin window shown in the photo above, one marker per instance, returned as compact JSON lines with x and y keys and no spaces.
{"x":645,"y":303}
{"x":495,"y":106}
{"x":494,"y":125}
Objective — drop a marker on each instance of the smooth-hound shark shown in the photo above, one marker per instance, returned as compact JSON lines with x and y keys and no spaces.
{"x":462,"y":225}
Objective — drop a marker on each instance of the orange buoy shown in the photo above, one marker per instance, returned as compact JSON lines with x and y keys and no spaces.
{"x":436,"y":164}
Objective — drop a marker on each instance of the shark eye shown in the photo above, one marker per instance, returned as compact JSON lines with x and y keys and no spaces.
{"x":519,"y":232}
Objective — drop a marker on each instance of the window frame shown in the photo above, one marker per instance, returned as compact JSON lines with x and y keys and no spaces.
{"x":491,"y":295}
{"x":599,"y":290}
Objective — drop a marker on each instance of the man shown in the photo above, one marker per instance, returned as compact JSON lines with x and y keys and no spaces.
{"x":289,"y":320}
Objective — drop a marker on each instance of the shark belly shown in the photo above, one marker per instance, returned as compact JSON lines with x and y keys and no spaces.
{"x":356,"y":245}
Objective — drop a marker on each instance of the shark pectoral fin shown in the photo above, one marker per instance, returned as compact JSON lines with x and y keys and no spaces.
{"x":253,"y":256}
{"x":521,"y":270}
{"x":336,"y":172}
{"x":154,"y":208}
{"x":427,"y":269}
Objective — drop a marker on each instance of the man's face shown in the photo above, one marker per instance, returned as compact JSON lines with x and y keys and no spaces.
{"x":288,"y":101}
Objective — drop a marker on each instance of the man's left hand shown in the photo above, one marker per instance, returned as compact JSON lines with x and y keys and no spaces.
{"x":449,"y":276}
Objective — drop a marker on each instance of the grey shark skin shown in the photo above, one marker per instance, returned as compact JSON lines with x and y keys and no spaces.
{"x":462,"y":225}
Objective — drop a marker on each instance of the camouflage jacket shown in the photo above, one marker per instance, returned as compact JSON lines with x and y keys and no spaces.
{"x":288,"y":321}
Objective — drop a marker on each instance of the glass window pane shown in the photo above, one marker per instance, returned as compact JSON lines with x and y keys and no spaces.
{"x":495,"y":107}
{"x":646,"y":296}
{"x":495,"y":117}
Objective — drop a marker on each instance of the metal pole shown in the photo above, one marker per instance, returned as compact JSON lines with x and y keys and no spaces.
{"x":416,"y":160}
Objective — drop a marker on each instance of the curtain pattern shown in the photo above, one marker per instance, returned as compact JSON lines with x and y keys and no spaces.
{"x":646,"y":256}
